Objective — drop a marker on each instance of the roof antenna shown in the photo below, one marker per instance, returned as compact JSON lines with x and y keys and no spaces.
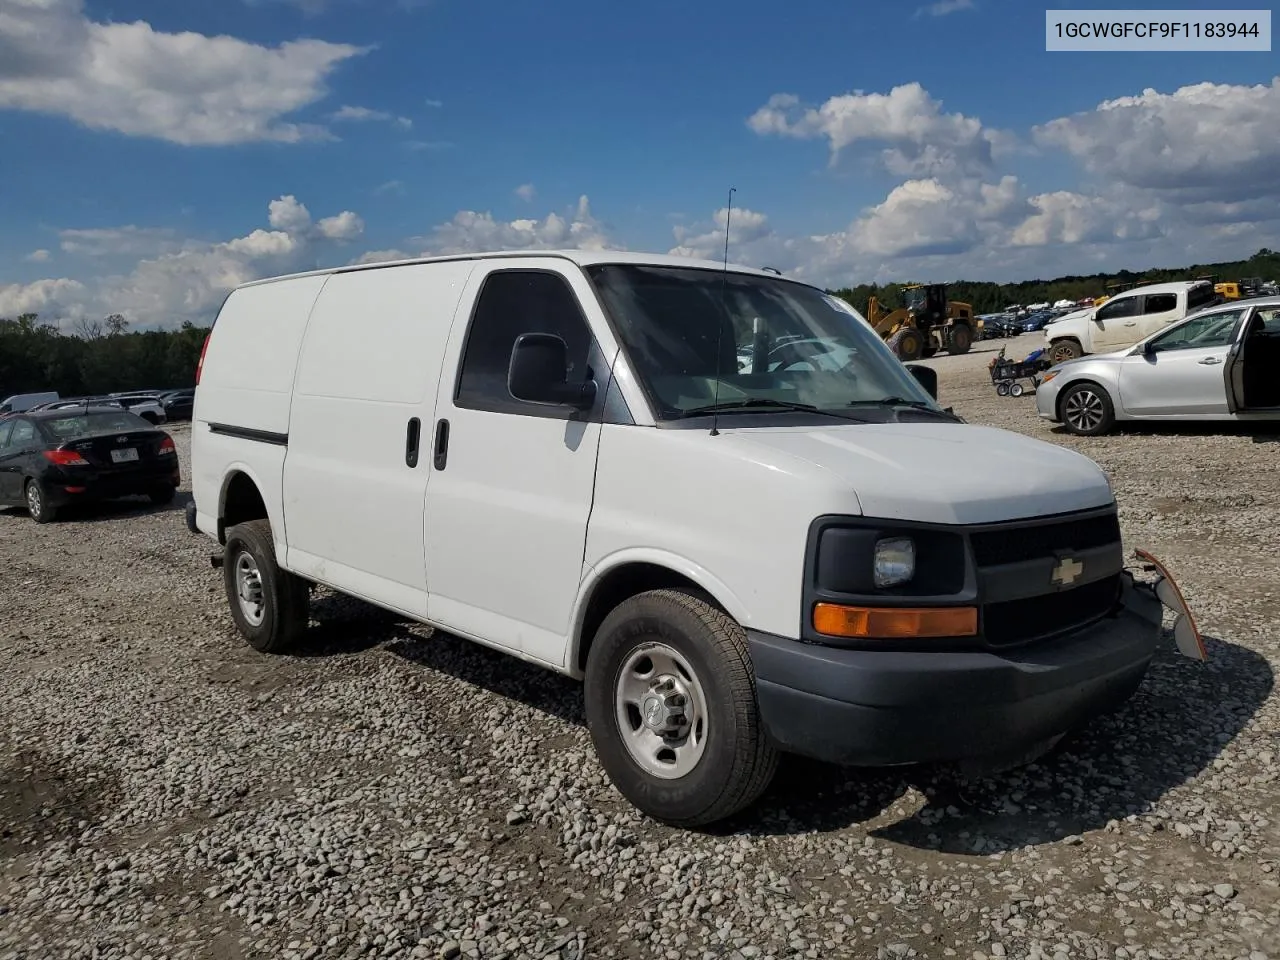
{"x":724,"y":302}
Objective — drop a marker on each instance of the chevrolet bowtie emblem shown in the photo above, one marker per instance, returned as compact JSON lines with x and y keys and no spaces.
{"x":1066,"y":571}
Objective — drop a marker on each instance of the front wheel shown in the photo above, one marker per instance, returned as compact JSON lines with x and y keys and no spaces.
{"x":1015,"y":389}
{"x":671,"y":707}
{"x":269,"y":605}
{"x":961,"y":339}
{"x":1086,"y":410}
{"x":1060,"y":351}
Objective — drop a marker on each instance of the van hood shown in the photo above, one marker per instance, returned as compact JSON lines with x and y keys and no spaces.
{"x":944,"y":472}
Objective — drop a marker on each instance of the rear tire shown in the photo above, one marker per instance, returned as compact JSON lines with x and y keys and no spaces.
{"x":38,"y":503}
{"x":163,"y":495}
{"x":961,"y":339}
{"x":671,"y":707}
{"x":269,"y":605}
{"x":1015,"y":389}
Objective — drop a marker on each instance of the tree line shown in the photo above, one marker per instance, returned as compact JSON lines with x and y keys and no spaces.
{"x":994,"y":297}
{"x":98,"y":357}
{"x":103,"y":356}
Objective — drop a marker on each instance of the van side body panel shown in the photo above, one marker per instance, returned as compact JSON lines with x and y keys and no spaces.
{"x":241,"y":411}
{"x":370,"y":366}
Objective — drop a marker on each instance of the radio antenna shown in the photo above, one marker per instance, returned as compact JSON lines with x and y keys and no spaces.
{"x":724,"y":303}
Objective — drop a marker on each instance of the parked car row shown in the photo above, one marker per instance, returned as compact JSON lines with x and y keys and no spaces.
{"x":154,"y":406}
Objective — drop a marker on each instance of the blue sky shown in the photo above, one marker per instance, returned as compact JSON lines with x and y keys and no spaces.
{"x":170,"y":150}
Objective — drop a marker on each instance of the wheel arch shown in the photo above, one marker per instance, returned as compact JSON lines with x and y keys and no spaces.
{"x":1077,"y":381}
{"x":240,"y":499}
{"x":624,"y":575}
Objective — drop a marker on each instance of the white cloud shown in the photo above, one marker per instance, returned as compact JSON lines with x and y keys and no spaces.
{"x":17,"y":298}
{"x":37,"y":256}
{"x":345,"y":226}
{"x":429,"y":146}
{"x":920,"y":139}
{"x":471,"y":231}
{"x":190,"y":281}
{"x":1073,"y":218}
{"x":186,"y":88}
{"x":391,"y":186}
{"x":364,"y":114}
{"x":944,"y":7}
{"x":1206,"y":141}
{"x":117,"y":241}
{"x":434,"y":104}
{"x":526,"y":192}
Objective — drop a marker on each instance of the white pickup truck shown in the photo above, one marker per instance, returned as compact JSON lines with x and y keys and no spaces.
{"x":1126,"y":318}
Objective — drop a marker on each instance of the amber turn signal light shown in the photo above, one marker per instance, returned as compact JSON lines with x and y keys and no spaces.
{"x":874,"y":623}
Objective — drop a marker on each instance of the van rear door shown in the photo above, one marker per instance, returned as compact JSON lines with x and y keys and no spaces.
{"x":355,"y":475}
{"x":511,"y":495}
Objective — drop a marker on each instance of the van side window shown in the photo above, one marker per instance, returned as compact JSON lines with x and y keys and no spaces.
{"x":511,"y":303}
{"x":1118,"y":308}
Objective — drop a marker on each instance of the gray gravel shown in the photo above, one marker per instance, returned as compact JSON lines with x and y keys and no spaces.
{"x":167,"y":793}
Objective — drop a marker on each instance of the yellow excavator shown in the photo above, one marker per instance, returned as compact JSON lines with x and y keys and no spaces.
{"x":925,"y":324}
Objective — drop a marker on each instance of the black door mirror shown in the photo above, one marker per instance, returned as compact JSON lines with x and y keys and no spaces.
{"x":539,"y":362}
{"x":927,"y":377}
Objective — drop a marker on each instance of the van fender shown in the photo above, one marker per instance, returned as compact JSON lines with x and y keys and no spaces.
{"x":718,"y":590}
{"x":274,"y":507}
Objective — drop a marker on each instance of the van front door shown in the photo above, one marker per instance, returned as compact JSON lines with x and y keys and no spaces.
{"x":512,"y":483}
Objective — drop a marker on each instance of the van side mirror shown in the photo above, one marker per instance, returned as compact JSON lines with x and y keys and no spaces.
{"x":539,"y":362}
{"x":927,"y":377}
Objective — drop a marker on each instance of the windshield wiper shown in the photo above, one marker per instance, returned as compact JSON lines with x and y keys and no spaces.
{"x":903,"y":402}
{"x":768,"y":403}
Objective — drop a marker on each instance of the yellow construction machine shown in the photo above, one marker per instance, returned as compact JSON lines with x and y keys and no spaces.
{"x":925,"y":324}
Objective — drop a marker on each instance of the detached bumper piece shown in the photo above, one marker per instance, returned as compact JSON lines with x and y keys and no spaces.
{"x":866,"y":707}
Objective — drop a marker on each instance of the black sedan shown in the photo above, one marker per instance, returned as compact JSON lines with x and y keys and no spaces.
{"x":54,"y":458}
{"x":178,"y":404}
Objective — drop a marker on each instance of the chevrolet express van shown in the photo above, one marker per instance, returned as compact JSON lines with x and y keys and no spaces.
{"x":559,"y":456}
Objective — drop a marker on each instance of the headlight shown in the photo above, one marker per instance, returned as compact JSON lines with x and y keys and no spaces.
{"x":1046,"y":377}
{"x":895,"y":561}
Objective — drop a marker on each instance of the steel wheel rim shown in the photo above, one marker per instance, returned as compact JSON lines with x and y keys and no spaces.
{"x":34,"y":502}
{"x":1063,"y":354}
{"x":661,"y":711}
{"x":249,"y":592}
{"x":1084,"y":410}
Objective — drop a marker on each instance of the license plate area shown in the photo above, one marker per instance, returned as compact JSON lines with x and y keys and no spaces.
{"x":124,"y":455}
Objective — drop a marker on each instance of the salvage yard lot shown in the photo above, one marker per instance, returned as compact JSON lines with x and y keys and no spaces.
{"x":165,"y":791}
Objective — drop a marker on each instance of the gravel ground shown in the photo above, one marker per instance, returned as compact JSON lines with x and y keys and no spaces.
{"x":167,"y":793}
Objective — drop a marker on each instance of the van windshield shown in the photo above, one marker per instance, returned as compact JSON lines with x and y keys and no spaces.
{"x":772,"y":341}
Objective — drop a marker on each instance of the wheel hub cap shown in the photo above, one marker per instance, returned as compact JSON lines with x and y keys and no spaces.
{"x":661,"y":711}
{"x":249,"y":589}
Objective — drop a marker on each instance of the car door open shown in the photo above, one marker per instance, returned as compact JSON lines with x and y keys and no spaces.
{"x":1183,"y":372}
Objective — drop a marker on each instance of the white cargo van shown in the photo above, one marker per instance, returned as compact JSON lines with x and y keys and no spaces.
{"x":20,"y":402}
{"x":1126,"y":319}
{"x":558,"y":456}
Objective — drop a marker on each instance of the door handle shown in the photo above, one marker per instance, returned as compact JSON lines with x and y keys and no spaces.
{"x":1210,"y":361}
{"x":413,"y":434}
{"x":442,"y":444}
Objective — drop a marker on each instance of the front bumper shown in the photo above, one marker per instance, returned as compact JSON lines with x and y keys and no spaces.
{"x":881,"y":708}
{"x":1047,"y":400}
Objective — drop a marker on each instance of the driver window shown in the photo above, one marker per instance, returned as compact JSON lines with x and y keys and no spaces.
{"x":1214,"y":330}
{"x":1118,"y":308}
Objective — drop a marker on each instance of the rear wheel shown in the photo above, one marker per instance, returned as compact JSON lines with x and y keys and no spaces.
{"x":961,"y":339}
{"x":1086,"y":410}
{"x":38,"y":503}
{"x":269,"y":605}
{"x":671,"y":706}
{"x":163,"y":495}
{"x":1015,"y":389}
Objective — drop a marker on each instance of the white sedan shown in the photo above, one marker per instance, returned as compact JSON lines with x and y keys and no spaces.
{"x":1219,"y":364}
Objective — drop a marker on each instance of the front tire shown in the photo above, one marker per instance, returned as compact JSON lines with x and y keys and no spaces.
{"x":907,"y":344}
{"x":671,"y":707}
{"x":1086,"y":410}
{"x":38,"y":503}
{"x":269,"y":605}
{"x":961,"y":339}
{"x":1060,"y":351}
